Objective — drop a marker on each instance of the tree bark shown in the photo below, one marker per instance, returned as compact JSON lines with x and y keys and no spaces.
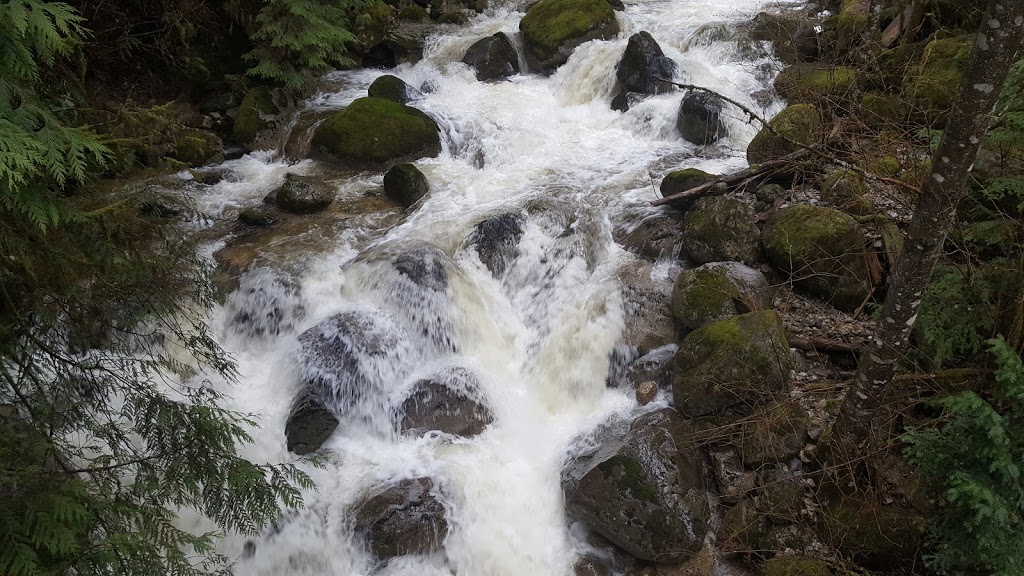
{"x":996,"y":45}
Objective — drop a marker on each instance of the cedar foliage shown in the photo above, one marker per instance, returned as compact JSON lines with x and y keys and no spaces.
{"x":107,"y":428}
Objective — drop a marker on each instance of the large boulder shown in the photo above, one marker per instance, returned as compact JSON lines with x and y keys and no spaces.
{"x":716,"y":291}
{"x":493,"y":57}
{"x":720,"y":229}
{"x":449,"y":402}
{"x":302,"y":194}
{"x":405,"y":184}
{"x":259,"y":112}
{"x":496,"y":241}
{"x":823,"y":250}
{"x":552,"y":29}
{"x":392,"y":88}
{"x":934,"y":82}
{"x":774,"y":432}
{"x":374,"y":131}
{"x":647,"y":493}
{"x":402,"y":518}
{"x":682,"y":180}
{"x":645,"y":302}
{"x":799,"y":123}
{"x":733,"y":364}
{"x":310,"y":423}
{"x":700,"y":118}
{"x":821,"y":85}
{"x":644,"y":65}
{"x":652,"y":236}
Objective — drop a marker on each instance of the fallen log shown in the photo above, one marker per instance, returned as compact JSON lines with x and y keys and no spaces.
{"x":735,"y":177}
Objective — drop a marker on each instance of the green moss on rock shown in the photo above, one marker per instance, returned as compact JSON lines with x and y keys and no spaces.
{"x":253,"y":115}
{"x":848,"y":191}
{"x":413,"y":12}
{"x":719,"y":229}
{"x":374,"y":130}
{"x":799,"y":122}
{"x":933,"y":83}
{"x":868,"y":532}
{"x":774,"y":432}
{"x":198,"y":147}
{"x":405,"y":184}
{"x":629,"y":478}
{"x":880,"y":111}
{"x":717,"y":291}
{"x":823,"y":250}
{"x":681,"y":180}
{"x":796,"y":566}
{"x":552,"y":28}
{"x":391,"y":88}
{"x":735,"y":364}
{"x":813,"y":84}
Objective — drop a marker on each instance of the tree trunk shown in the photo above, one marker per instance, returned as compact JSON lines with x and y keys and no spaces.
{"x":995,"y":48}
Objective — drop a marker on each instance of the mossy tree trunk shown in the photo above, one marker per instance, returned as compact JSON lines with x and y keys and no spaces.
{"x":995,"y":49}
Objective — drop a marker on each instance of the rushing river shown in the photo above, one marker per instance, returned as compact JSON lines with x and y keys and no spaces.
{"x":539,"y":337}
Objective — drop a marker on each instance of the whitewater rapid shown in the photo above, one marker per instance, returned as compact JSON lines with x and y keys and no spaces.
{"x":539,"y":337}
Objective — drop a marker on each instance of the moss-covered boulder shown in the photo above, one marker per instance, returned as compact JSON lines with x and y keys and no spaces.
{"x":493,"y":57}
{"x":774,"y":432}
{"x":413,"y":13}
{"x":813,"y":84}
{"x":392,"y":88}
{"x":405,"y":184}
{"x":780,"y":494}
{"x":374,"y":130}
{"x":370,"y":29}
{"x":303,"y":194}
{"x":800,"y":123}
{"x":852,"y":21}
{"x":848,"y":191}
{"x":796,"y":566}
{"x":645,"y":492}
{"x":198,"y":147}
{"x":720,"y":229}
{"x":258,"y":112}
{"x":733,"y":364}
{"x":878,"y":536}
{"x":717,"y":291}
{"x":880,"y":111}
{"x":933,"y":83}
{"x":682,"y":180}
{"x":823,"y":251}
{"x":552,"y":29}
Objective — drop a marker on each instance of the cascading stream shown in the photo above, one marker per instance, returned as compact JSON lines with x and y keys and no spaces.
{"x":538,"y":336}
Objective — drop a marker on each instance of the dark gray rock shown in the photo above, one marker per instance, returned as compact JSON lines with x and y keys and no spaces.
{"x":405,"y":184}
{"x":446,"y":403}
{"x":496,"y":240}
{"x":700,"y":118}
{"x":424,"y":266}
{"x":393,"y":88}
{"x":309,"y":424}
{"x":303,"y":194}
{"x":721,"y":229}
{"x":493,"y":57}
{"x":645,"y":493}
{"x":403,"y":518}
{"x":643,"y":65}
{"x":655,"y":366}
{"x":625,"y":100}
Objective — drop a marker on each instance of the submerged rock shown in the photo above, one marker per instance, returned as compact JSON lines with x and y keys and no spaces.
{"x":644,"y":65}
{"x":392,"y":88}
{"x":405,"y":184}
{"x":700,"y":118}
{"x":717,"y":291}
{"x":303,"y":194}
{"x":374,"y":130}
{"x":647,"y":494}
{"x":552,"y":29}
{"x":403,"y":518}
{"x":496,"y":240}
{"x":310,"y":423}
{"x":733,"y":364}
{"x":823,"y":250}
{"x":493,"y":57}
{"x":446,"y":403}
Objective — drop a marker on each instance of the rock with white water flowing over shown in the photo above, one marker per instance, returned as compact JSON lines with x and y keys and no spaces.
{"x":448,"y":402}
{"x":392,"y":88}
{"x":405,"y":184}
{"x":265,"y":304}
{"x":716,"y":291}
{"x":552,"y":29}
{"x":646,"y":493}
{"x":496,"y":240}
{"x":403,"y":518}
{"x":303,"y":194}
{"x":309,"y":424}
{"x":644,"y":65}
{"x":493,"y":57}
{"x":700,"y":118}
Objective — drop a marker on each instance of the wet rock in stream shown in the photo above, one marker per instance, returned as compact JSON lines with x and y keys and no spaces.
{"x":402,"y":518}
{"x":447,"y":402}
{"x":310,"y":423}
{"x":496,"y":240}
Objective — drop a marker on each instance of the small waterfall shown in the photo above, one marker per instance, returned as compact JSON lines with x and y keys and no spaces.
{"x":503,"y":284}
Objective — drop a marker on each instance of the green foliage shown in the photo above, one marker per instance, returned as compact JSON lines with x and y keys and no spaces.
{"x":975,"y":459}
{"x":107,"y":428}
{"x":297,"y":39}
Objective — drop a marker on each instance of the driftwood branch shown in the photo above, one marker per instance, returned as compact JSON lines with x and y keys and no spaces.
{"x":729,"y":179}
